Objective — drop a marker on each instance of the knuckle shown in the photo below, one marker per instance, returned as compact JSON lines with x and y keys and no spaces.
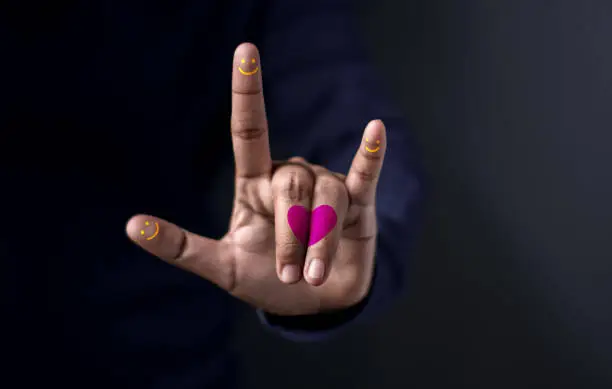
{"x":247,"y":131}
{"x":365,"y":174}
{"x":294,"y":184}
{"x":248,"y":124}
{"x":297,"y":159}
{"x":289,"y":251}
{"x":331,"y":186}
{"x":318,"y":169}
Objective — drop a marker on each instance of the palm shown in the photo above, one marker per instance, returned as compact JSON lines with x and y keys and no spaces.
{"x":252,"y":236}
{"x":252,"y":260}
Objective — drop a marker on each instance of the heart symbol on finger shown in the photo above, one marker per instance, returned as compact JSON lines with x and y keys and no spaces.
{"x":320,"y":222}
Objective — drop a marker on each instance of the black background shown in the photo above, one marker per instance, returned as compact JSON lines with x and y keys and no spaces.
{"x":511,"y":286}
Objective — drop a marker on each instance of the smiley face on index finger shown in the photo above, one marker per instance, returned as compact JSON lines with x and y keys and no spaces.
{"x":245,"y":65}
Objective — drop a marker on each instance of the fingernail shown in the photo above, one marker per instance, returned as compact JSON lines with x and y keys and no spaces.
{"x":290,"y":274}
{"x":316,"y":270}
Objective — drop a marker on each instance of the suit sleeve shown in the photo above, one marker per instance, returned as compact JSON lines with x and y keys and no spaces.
{"x":320,"y":93}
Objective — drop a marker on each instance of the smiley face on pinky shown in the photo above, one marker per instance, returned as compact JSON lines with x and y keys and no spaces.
{"x":372,"y":147}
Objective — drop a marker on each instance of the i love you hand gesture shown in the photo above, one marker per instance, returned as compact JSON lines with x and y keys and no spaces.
{"x":301,"y":238}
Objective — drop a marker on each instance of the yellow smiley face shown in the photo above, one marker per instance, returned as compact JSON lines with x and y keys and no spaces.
{"x":147,"y":227}
{"x":252,"y":64}
{"x":372,"y":148}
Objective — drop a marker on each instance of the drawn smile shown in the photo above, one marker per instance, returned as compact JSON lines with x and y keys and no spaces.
{"x":372,"y":149}
{"x":142,"y":232}
{"x":248,"y":72}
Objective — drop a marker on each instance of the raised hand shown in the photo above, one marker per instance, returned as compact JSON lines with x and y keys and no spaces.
{"x":278,"y":255}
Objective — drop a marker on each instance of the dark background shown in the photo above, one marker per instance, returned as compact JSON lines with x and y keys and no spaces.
{"x":511,"y":286}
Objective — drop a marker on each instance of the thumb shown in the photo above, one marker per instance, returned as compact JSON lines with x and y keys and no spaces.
{"x":205,"y":257}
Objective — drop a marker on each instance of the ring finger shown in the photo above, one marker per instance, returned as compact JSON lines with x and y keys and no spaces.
{"x":329,"y":207}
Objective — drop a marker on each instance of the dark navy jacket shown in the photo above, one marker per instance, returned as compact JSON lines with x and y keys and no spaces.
{"x":116,"y":107}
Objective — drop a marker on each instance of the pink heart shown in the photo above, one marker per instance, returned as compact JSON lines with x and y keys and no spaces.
{"x":319,"y":223}
{"x":299,"y":222}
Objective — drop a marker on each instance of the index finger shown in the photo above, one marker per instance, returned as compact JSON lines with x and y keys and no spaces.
{"x":249,"y":125}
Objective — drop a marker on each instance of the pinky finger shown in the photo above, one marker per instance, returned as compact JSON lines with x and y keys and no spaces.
{"x":363,"y":175}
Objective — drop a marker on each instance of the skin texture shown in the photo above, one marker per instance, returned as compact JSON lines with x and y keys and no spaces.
{"x":259,"y":260}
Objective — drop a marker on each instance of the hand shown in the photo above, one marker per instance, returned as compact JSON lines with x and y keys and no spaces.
{"x":261,"y":259}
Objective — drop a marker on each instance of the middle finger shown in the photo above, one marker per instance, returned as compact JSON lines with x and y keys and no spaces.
{"x":292,"y":187}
